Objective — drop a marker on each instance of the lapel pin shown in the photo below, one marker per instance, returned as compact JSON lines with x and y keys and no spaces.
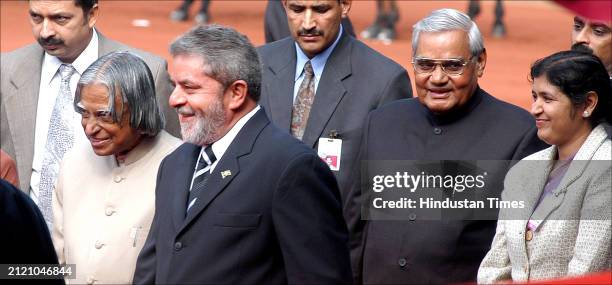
{"x":225,"y":173}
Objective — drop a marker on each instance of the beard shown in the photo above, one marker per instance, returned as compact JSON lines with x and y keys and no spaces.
{"x":207,"y":126}
{"x":582,"y":48}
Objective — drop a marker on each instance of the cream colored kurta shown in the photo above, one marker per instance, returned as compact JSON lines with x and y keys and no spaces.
{"x":102,"y":211}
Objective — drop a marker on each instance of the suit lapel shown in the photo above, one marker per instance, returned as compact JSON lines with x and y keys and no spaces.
{"x":106,"y":46}
{"x":330,"y":90}
{"x":576,"y":169}
{"x":283,"y":70}
{"x":538,"y":167}
{"x":228,"y":166}
{"x":181,"y":181}
{"x":24,"y":100}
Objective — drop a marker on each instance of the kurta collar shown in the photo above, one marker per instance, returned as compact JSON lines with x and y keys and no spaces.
{"x":458,"y":114}
{"x":140,"y":150}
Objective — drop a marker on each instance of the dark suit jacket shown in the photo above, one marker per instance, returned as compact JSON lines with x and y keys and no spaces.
{"x":356,"y":80}
{"x":417,"y":251}
{"x":276,"y":26}
{"x":25,"y":238}
{"x":19,"y":88}
{"x":275,"y":219}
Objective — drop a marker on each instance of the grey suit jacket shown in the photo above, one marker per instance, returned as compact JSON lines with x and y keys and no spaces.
{"x":574,"y":230}
{"x":356,"y":80}
{"x":19,"y":86}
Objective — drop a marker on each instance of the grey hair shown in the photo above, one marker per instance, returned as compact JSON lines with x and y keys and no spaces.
{"x":448,"y":20}
{"x":125,"y":74}
{"x":227,"y":55}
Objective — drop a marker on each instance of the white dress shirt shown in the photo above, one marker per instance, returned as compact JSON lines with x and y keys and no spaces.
{"x":50,"y":81}
{"x":219,"y":147}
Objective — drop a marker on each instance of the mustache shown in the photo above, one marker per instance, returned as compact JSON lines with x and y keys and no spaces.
{"x":185,"y":111}
{"x":582,"y":48}
{"x":312,"y":32}
{"x":50,"y":41}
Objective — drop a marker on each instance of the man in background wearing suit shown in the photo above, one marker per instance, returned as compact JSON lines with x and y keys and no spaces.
{"x":276,"y":26}
{"x":241,"y":201}
{"x":320,"y":84}
{"x":38,"y":123}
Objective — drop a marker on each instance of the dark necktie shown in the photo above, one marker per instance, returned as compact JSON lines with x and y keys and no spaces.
{"x":303,"y":102}
{"x":201,"y":175}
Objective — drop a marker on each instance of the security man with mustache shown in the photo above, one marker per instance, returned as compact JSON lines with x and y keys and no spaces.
{"x":320,"y":83}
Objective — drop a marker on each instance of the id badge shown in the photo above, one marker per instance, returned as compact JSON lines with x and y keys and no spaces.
{"x":330,"y":150}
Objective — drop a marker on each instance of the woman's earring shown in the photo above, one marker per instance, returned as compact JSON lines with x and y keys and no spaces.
{"x":585,"y":114}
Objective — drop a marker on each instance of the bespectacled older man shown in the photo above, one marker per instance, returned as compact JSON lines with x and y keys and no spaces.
{"x":452,"y":119}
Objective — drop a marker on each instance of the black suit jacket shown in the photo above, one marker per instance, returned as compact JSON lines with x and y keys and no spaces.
{"x":275,"y":219}
{"x":417,"y":251}
{"x":25,"y":238}
{"x":356,"y":80}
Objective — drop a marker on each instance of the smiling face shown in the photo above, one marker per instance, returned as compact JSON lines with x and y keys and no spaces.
{"x":559,"y":122}
{"x":315,"y":24}
{"x":438,"y":91}
{"x":106,"y":137}
{"x":61,"y":28}
{"x":199,"y":101}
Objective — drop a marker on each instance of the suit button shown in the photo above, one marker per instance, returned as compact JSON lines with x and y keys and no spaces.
{"x":109,"y":211}
{"x":402,"y":262}
{"x":99,"y":244}
{"x":412,"y":216}
{"x":178,"y":246}
{"x":437,"y":131}
{"x":117,"y":178}
{"x":529,"y":235}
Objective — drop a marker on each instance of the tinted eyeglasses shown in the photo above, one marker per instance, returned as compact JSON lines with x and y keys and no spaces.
{"x":452,"y":67}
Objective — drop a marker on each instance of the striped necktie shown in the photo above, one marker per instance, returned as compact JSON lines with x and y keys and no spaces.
{"x":201,"y":175}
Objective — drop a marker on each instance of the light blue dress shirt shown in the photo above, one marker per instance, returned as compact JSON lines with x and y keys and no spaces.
{"x":317,"y":62}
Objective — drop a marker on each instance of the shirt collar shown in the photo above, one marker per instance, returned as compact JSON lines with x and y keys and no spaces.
{"x":317,"y":62}
{"x":51,"y":63}
{"x":219,"y":147}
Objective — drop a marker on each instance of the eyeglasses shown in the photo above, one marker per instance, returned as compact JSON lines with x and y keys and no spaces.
{"x":452,"y":67}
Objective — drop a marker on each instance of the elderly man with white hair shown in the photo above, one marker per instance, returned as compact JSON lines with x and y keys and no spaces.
{"x":452,"y":119}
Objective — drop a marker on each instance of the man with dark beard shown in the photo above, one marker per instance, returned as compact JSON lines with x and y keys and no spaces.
{"x":241,"y":201}
{"x":37,"y":121}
